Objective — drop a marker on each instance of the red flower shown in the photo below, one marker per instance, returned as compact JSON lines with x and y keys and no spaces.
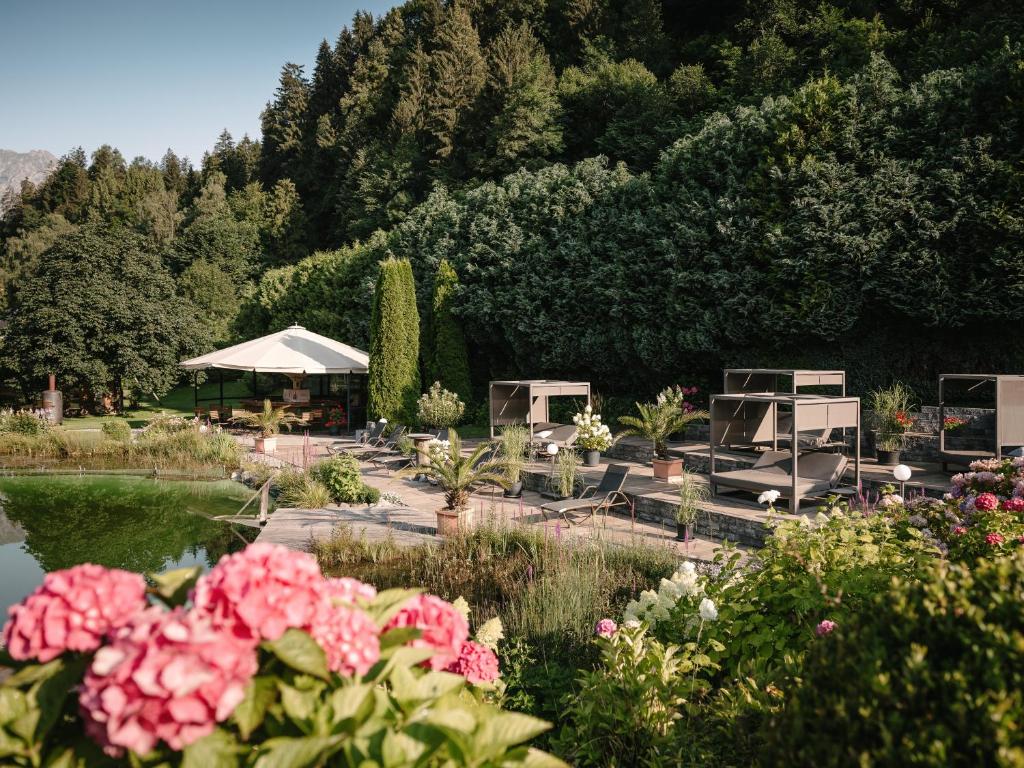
{"x":959,"y":530}
{"x":994,"y":539}
{"x":986,"y":502}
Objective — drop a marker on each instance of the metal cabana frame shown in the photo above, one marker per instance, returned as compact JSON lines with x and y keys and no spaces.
{"x":754,"y":418}
{"x":751,"y":380}
{"x":1009,"y":415}
{"x":526,"y":401}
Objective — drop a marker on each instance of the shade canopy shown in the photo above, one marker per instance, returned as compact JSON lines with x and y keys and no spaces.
{"x":291,"y":351}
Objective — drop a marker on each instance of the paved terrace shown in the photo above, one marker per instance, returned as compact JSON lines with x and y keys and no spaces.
{"x":407,"y":512}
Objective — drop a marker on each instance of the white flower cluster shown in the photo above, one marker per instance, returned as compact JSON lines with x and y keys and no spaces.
{"x":653,"y":607}
{"x":490,"y":633}
{"x":591,"y":434}
{"x":439,"y":450}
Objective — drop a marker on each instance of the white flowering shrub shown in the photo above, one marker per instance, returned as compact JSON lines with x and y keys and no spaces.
{"x":591,"y":433}
{"x":440,"y":408}
{"x":652,"y":607}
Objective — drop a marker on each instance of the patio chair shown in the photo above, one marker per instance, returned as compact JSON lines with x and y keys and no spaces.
{"x":388,"y":447}
{"x":594,"y":498}
{"x":372,"y":439}
{"x":391,"y":462}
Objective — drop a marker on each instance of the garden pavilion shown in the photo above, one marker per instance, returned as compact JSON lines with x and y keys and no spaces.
{"x":293,"y":352}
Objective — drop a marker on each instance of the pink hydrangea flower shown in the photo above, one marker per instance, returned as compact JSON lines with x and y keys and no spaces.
{"x":994,"y":539}
{"x":349,"y":637}
{"x":167,"y":676}
{"x":348,"y":591}
{"x":986,"y":502}
{"x":71,"y":611}
{"x":825,"y":627}
{"x":1014,"y":505}
{"x":443,"y":628}
{"x":477,"y":663}
{"x":261,"y":592}
{"x":959,"y":530}
{"x":605,"y":628}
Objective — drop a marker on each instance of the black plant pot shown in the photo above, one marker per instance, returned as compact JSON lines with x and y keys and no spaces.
{"x":888,"y":458}
{"x":684,"y":531}
{"x":515,"y":490}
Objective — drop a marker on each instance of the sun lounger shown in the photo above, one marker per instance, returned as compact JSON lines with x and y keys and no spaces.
{"x":594,"y":498}
{"x":817,"y":473}
{"x":562,"y":435}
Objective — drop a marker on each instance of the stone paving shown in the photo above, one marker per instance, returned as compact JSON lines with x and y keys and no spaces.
{"x":407,"y":513}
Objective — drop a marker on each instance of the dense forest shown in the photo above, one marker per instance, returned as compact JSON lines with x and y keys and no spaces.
{"x":635,"y":191}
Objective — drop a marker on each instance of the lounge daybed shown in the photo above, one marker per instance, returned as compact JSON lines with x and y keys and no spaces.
{"x":754,"y":418}
{"x":1009,"y":417}
{"x":745,"y":380}
{"x":817,"y":473}
{"x":526,"y":401}
{"x":562,"y":435}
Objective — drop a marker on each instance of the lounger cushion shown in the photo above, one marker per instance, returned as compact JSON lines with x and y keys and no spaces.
{"x":760,"y":480}
{"x":817,"y":472}
{"x":813,"y":466}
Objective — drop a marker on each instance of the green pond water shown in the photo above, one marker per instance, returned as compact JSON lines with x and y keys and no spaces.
{"x":136,"y":523}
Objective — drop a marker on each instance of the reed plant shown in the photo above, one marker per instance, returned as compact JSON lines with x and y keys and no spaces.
{"x":301,"y":490}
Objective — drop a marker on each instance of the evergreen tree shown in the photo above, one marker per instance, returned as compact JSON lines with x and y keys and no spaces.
{"x":173,"y":171}
{"x":284,"y":225}
{"x":394,"y":385}
{"x":522,"y":91}
{"x":449,"y":357}
{"x":67,"y":190}
{"x":458,"y":75}
{"x":282,"y":122}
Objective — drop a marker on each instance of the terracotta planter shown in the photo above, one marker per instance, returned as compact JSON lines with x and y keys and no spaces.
{"x":591,"y":458}
{"x":666,"y":469}
{"x":450,"y":521}
{"x":266,"y":444}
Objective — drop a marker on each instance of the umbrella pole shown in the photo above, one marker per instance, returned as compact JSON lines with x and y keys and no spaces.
{"x":195,"y":391}
{"x":221,"y":370}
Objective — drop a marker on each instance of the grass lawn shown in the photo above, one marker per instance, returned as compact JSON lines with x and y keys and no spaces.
{"x":177,"y":402}
{"x":180,"y":402}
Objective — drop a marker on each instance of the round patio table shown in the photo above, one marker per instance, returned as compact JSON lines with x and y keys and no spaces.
{"x":419,"y":441}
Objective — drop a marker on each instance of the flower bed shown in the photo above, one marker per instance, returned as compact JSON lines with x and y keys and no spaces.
{"x":260,"y":661}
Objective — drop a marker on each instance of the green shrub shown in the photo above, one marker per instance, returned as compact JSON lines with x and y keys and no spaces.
{"x":931,"y":675}
{"x":448,"y":357}
{"x":22,"y":423}
{"x":626,"y":711}
{"x":300,"y":489}
{"x":340,"y":475}
{"x":117,"y":430}
{"x":394,"y":382}
{"x":831,"y":568}
{"x":439,"y":408}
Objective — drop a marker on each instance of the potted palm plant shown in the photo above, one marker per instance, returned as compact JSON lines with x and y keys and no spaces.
{"x":515,"y":440}
{"x":457,"y":476}
{"x":692,"y":492}
{"x":655,"y":423}
{"x":891,"y":408}
{"x":268,"y":424}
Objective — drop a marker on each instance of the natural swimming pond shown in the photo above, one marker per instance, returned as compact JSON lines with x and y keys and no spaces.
{"x":136,"y":523}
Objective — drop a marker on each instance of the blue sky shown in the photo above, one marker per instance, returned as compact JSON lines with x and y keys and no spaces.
{"x":144,"y":75}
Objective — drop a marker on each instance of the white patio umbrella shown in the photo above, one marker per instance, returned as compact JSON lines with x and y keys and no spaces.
{"x":294,"y":351}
